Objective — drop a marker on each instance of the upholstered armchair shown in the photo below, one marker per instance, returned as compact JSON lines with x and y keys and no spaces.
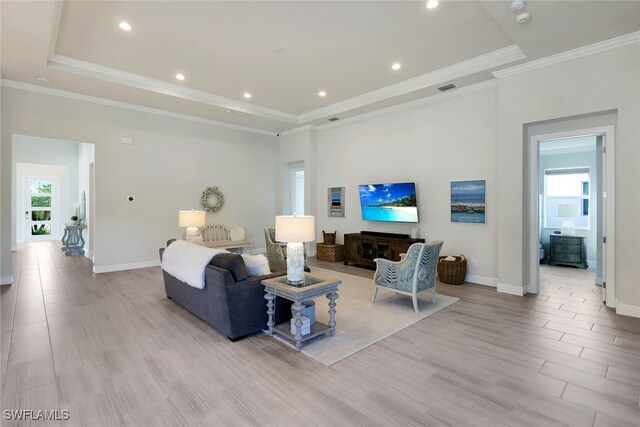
{"x":414,"y":274}
{"x":276,"y":253}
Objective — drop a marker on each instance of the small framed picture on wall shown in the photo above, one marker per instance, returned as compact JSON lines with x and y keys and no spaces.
{"x":468,"y":201}
{"x":336,"y":201}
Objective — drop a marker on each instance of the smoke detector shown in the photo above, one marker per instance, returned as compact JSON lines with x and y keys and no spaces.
{"x":517,"y":5}
{"x":523,"y":17}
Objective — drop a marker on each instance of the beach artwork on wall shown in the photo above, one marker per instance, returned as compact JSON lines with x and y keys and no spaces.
{"x":468,"y":201}
{"x":336,"y":201}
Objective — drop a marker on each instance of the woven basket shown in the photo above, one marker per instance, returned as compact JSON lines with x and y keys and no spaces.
{"x":331,"y":253}
{"x":329,"y":238}
{"x":452,"y":272}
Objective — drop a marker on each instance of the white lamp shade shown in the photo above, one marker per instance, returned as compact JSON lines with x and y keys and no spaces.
{"x":567,"y":211}
{"x":292,"y":228}
{"x":191,"y":218}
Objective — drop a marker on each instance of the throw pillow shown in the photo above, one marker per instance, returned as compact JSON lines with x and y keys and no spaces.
{"x":257,"y":265}
{"x":233,"y":263}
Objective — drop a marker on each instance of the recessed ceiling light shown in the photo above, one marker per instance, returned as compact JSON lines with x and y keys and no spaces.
{"x":180,"y":76}
{"x":396,"y":66}
{"x":43,"y":79}
{"x":322,"y":93}
{"x":278,"y":49}
{"x":125,"y":26}
{"x":431,"y":4}
{"x":247,"y":95}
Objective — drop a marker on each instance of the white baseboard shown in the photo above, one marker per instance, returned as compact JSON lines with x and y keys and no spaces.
{"x":628,"y":310}
{"x":481,"y":280}
{"x":510,"y":289}
{"x":593,"y":265}
{"x":121,"y":267}
{"x":14,"y":249}
{"x":599,"y":281}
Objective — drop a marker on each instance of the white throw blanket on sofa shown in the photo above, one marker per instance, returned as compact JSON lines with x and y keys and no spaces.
{"x":187,"y":261}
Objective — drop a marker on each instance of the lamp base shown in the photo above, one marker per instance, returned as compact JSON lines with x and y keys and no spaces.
{"x":193,"y":235}
{"x":295,"y":263}
{"x":567,"y":228}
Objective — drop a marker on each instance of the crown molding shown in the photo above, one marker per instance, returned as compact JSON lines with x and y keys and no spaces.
{"x":480,"y":63}
{"x":56,"y":16}
{"x":124,"y":105}
{"x":137,"y":81}
{"x":413,"y":104}
{"x":602,"y":46}
{"x":305,"y":128}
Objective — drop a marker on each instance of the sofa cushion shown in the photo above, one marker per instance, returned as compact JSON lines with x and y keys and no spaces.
{"x":232,"y":262}
{"x":257,"y":265}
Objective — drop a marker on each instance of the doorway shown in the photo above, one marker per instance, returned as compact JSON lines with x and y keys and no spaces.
{"x":41,"y":210}
{"x":296,"y":188}
{"x":569,"y":175}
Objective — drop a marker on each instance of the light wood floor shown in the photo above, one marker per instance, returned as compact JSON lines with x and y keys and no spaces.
{"x":113,"y":350}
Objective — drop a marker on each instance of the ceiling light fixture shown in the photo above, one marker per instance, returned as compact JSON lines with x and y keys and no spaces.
{"x":43,"y":79}
{"x":396,"y":66}
{"x":247,"y":95}
{"x":432,"y":4}
{"x":125,"y":26}
{"x":180,"y":76}
{"x":322,"y":93}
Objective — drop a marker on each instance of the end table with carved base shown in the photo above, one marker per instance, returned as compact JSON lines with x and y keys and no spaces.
{"x":312,"y":287}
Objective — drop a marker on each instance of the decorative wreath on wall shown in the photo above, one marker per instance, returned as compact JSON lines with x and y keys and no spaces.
{"x":206,"y":195}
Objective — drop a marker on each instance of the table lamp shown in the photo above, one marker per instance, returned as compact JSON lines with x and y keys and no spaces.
{"x":295,"y":230}
{"x":192,"y":220}
{"x":568,"y":212}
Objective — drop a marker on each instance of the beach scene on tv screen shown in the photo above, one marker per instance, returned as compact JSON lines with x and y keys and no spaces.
{"x":389,"y":202}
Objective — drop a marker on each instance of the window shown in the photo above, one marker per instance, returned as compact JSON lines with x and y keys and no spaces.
{"x":566,"y":187}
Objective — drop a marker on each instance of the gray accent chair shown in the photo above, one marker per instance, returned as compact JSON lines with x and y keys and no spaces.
{"x":412,"y":275}
{"x":230,"y":301}
{"x":277,"y":254}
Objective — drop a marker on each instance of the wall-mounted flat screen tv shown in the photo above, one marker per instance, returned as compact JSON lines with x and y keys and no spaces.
{"x":389,"y":202}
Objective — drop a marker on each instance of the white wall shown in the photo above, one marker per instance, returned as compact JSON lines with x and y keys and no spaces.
{"x":433,"y":144}
{"x":169,"y":165}
{"x":600,"y":82}
{"x":42,"y":151}
{"x":86,"y":156}
{"x":483,"y":135}
{"x":299,"y":146}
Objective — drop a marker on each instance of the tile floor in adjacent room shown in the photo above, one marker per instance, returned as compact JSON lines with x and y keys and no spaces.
{"x":113,"y":350}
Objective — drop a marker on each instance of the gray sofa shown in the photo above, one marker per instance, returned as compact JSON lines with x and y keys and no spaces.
{"x":230,"y":301}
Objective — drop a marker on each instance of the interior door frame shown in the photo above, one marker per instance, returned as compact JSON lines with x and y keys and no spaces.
{"x":608,"y":208}
{"x":55,"y":207}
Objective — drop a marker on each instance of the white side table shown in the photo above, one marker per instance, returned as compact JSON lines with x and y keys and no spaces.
{"x":72,"y":239}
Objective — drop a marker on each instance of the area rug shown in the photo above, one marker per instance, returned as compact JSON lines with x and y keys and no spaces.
{"x":359,"y":323}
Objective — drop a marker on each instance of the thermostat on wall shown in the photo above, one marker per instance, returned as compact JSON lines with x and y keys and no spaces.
{"x":126,"y":140}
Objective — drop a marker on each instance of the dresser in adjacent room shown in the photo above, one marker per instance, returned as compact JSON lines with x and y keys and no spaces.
{"x":568,"y":250}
